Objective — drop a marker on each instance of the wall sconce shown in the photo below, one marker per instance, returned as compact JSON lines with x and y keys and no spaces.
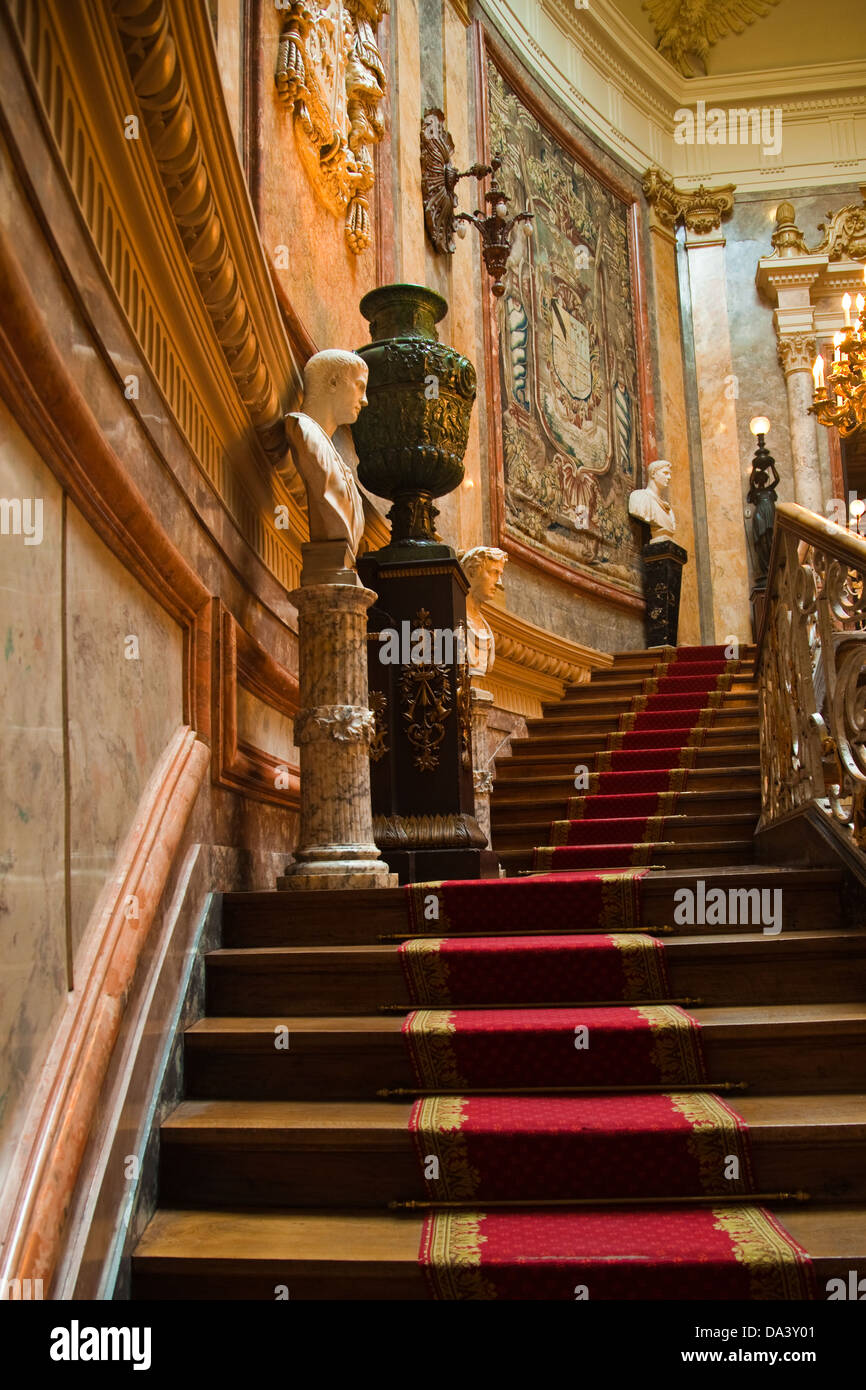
{"x":763,"y":481}
{"x":439,"y":179}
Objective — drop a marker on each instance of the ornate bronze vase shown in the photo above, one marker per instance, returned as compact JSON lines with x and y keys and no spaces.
{"x":411,"y":438}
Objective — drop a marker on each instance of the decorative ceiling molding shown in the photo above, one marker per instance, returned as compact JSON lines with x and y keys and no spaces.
{"x":686,"y":29}
{"x":330,"y":73}
{"x":582,"y":55}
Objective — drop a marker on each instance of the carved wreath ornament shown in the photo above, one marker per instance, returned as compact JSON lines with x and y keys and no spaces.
{"x":330,"y":72}
{"x":344,"y":723}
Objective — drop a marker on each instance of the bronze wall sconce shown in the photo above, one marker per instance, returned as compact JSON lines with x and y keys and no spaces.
{"x":439,"y":179}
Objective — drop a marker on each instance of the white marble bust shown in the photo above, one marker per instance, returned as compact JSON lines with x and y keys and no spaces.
{"x":335,"y":385}
{"x":652,"y":505}
{"x":483,"y":566}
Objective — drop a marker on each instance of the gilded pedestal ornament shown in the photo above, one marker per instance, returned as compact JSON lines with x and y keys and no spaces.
{"x":330,"y":72}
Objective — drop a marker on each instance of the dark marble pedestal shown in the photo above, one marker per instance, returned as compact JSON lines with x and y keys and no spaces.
{"x":421,"y":761}
{"x":663,"y":572}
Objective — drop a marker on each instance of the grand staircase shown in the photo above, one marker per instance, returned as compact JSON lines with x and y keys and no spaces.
{"x":280,"y":1171}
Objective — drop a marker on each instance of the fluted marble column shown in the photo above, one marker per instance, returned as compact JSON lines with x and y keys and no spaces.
{"x":333,"y":732}
{"x":797,"y":352}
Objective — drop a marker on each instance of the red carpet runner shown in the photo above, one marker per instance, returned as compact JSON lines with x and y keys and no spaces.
{"x":657,"y":742}
{"x":580,"y":1011}
{"x":649,"y":1253}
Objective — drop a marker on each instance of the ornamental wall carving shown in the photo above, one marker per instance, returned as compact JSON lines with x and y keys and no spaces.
{"x":330,"y":72}
{"x":700,"y":209}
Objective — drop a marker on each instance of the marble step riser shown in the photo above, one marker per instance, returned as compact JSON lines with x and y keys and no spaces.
{"x":553,"y":762}
{"x":508,"y":817}
{"x":373,"y":1169}
{"x":263,"y":986}
{"x":521,"y":837}
{"x":343,"y":1066}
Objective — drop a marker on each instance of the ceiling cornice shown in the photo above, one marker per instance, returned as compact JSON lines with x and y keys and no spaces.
{"x":612,"y":80}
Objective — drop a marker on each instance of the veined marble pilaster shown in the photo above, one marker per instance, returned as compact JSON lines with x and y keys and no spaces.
{"x":723,"y":472}
{"x":797,"y":352}
{"x":333,"y":732}
{"x":673,"y":412}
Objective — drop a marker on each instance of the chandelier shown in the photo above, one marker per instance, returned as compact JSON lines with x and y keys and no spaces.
{"x":840,"y":399}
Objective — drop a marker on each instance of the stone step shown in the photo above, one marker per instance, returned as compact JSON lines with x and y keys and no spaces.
{"x":701,"y":779}
{"x":660,"y":854}
{"x":747,"y":967}
{"x":680,"y":827}
{"x":512,"y":810}
{"x":811,"y":899}
{"x":528,"y":761}
{"x":783,"y":1047}
{"x":247,"y":1153}
{"x":352,"y":1254}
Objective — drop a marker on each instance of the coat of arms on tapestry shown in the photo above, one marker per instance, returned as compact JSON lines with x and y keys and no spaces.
{"x":568,"y":356}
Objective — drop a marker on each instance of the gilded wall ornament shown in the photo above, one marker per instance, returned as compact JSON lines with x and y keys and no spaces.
{"x":687,"y":29}
{"x":378,"y":744}
{"x":845,"y":233}
{"x":330,"y":72}
{"x":425,"y":693}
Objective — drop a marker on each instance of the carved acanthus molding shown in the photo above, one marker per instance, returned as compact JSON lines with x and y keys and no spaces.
{"x":155,"y":69}
{"x":687,"y":29}
{"x":330,"y":72}
{"x":845,"y":233}
{"x":797,"y":352}
{"x":700,"y":209}
{"x":662,"y":197}
{"x":344,"y":723}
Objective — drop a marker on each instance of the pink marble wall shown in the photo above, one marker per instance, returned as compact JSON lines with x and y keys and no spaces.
{"x":33,"y":955}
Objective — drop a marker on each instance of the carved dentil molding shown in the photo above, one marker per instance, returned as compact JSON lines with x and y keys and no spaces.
{"x":700,"y":209}
{"x":797,"y":352}
{"x":330,"y":73}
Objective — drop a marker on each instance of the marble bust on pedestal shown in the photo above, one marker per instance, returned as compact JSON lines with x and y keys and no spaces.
{"x":651,"y":504}
{"x":483,"y":566}
{"x":335,"y":384}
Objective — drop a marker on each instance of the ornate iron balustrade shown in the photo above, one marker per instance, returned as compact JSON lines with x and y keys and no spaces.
{"x":812,"y":674}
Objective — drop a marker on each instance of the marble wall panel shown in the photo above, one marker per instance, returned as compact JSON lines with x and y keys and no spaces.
{"x":125,"y":661}
{"x":265,"y":727}
{"x":719,"y":445}
{"x":33,"y":965}
{"x":672,"y":421}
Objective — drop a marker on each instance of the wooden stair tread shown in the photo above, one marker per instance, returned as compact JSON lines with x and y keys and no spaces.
{"x":722,"y":943}
{"x":744,"y":1019}
{"x":195,"y":1121}
{"x":342,"y":1236}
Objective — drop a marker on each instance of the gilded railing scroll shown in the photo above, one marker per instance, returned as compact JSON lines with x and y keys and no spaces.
{"x":812,"y":673}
